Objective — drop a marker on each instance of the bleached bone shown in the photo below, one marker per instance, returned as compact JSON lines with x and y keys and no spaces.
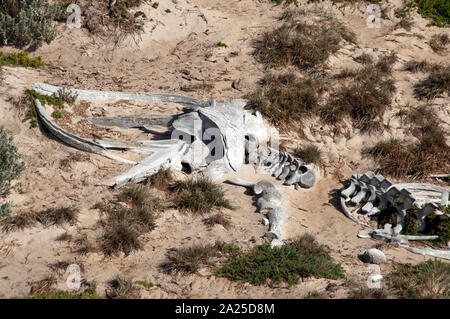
{"x":269,"y":201}
{"x":93,"y":95}
{"x":73,"y":140}
{"x":439,"y":253}
{"x":227,"y":125}
{"x":133,"y":121}
{"x":277,"y":217}
{"x":382,"y":192}
{"x":171,"y":156}
{"x":393,"y":234}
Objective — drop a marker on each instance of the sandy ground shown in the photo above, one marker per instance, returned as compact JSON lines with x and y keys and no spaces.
{"x":176,"y":52}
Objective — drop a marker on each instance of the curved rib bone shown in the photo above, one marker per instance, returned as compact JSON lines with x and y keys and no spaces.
{"x":73,"y":140}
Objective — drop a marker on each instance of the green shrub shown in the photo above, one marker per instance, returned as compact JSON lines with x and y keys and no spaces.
{"x":265,"y":265}
{"x":124,"y":225}
{"x":285,"y":98}
{"x":365,"y":98}
{"x":20,"y":59}
{"x":28,"y":22}
{"x":5,"y":209}
{"x":309,"y":154}
{"x":437,"y":10}
{"x":199,"y":196}
{"x":10,"y":165}
{"x":301,"y":44}
{"x":388,"y":215}
{"x":429,"y":279}
{"x":88,"y":294}
{"x":57,"y":114}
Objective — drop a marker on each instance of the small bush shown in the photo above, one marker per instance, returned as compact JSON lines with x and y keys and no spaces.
{"x":300,"y":44}
{"x":28,"y":22}
{"x":217,"y":219}
{"x":57,"y":114}
{"x":440,"y":226}
{"x":5,"y":209}
{"x":437,"y":10}
{"x":199,"y":196}
{"x":418,"y":66}
{"x":20,"y":59}
{"x":366,"y":98}
{"x":285,"y":98}
{"x":120,"y":288}
{"x":286,"y":2}
{"x":399,"y":159}
{"x":124,"y":225}
{"x":88,"y":294}
{"x":436,"y":84}
{"x":58,"y":216}
{"x":189,"y":259}
{"x":369,"y":293}
{"x":429,"y":279}
{"x":439,"y":42}
{"x":265,"y":265}
{"x":66,"y":95}
{"x":122,"y":230}
{"x":309,"y":154}
{"x":18,"y":222}
{"x":161,"y":179}
{"x":222,"y":45}
{"x":388,"y":215}
{"x":10,"y":165}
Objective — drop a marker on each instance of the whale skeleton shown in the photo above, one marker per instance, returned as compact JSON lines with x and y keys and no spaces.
{"x":235,"y":135}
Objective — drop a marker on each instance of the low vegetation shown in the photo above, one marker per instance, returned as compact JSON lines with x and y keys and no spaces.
{"x":419,"y":66}
{"x":11,"y":167}
{"x":47,"y":218}
{"x":260,"y":265}
{"x":124,"y":224}
{"x":120,"y":288}
{"x":217,"y":219}
{"x":369,"y":293}
{"x":28,"y":23}
{"x":363,"y":95}
{"x":429,"y":279}
{"x":436,"y":84}
{"x":199,"y":196}
{"x":429,"y":155}
{"x":309,"y":153}
{"x":162,"y":179}
{"x":434,"y":224}
{"x":20,"y":59}
{"x":439,"y":42}
{"x":302,"y":258}
{"x":190,"y":259}
{"x":436,"y":10}
{"x":301,"y":44}
{"x":88,"y":294}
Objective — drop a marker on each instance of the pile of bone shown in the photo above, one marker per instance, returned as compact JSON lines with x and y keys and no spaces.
{"x":378,"y":192}
{"x":269,"y":203}
{"x":281,"y":165}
